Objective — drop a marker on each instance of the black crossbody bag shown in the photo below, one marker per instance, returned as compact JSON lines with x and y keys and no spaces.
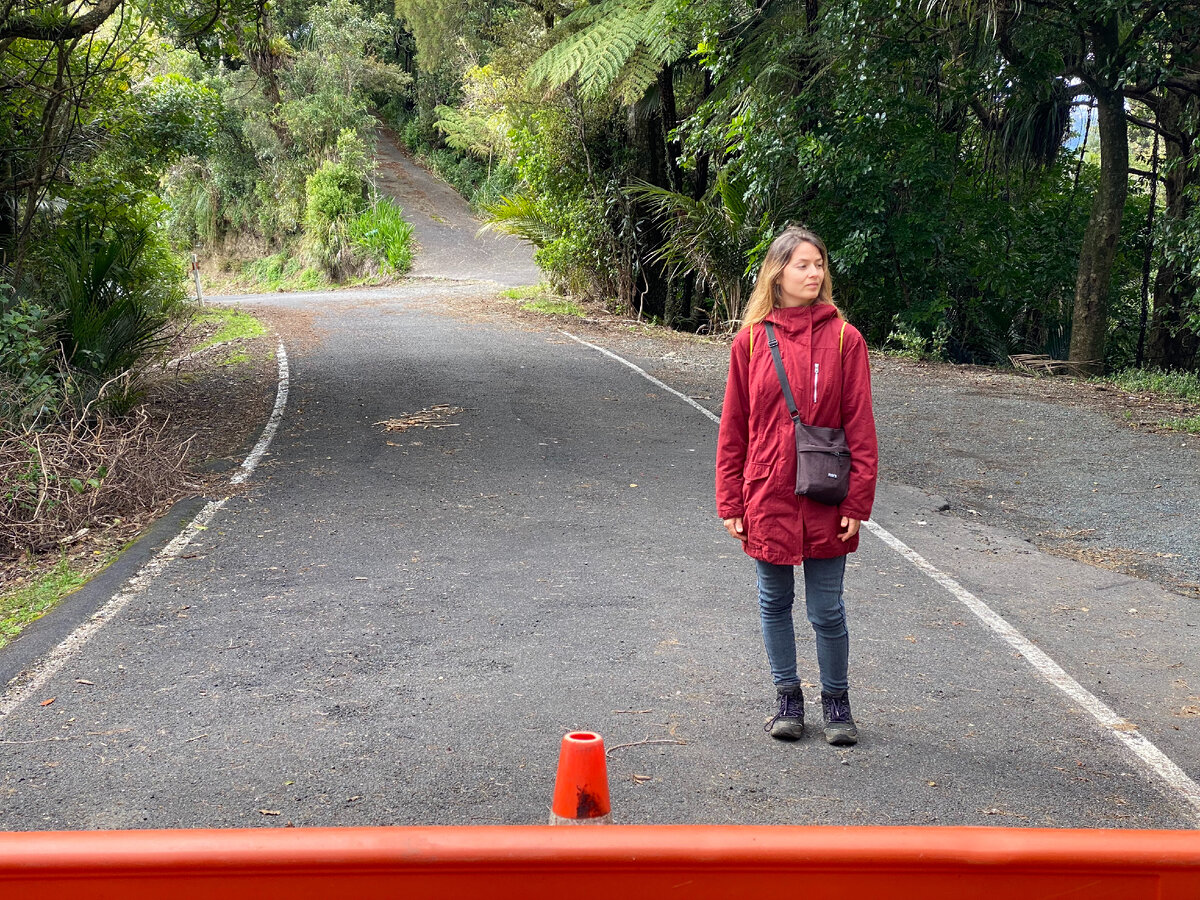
{"x":822,"y":454}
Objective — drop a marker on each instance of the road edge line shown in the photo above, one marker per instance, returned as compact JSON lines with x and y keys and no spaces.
{"x":666,"y":387}
{"x":54,"y":661}
{"x":1116,"y":726}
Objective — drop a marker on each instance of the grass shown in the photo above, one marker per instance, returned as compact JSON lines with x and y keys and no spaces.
{"x":1190,"y":424}
{"x":552,"y":306}
{"x":234,"y":325}
{"x":235,"y":359}
{"x":1182,"y":385}
{"x":20,"y":607}
{"x":382,"y":234}
{"x":282,"y":272}
{"x":537,"y":298}
{"x":528,"y":292}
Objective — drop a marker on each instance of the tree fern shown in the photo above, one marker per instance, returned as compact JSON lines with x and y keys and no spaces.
{"x":617,"y":45}
{"x":639,"y":72}
{"x":711,"y":237}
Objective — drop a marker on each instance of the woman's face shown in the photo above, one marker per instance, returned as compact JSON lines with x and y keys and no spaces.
{"x":801,"y":279}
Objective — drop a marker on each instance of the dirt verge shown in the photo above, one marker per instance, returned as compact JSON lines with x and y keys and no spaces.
{"x":206,"y":408}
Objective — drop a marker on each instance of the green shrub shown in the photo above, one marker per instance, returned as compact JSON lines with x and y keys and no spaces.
{"x":907,"y":340}
{"x":335,"y":192}
{"x":283,"y":272}
{"x":29,"y":389}
{"x":382,"y":234}
{"x":112,"y":316}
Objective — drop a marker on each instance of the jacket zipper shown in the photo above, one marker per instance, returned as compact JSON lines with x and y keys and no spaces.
{"x":816,"y":378}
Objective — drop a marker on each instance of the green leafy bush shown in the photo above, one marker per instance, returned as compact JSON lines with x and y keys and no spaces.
{"x":382,"y":234}
{"x":29,"y":389}
{"x":335,"y":192}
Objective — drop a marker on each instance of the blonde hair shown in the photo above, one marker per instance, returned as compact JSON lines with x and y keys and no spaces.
{"x":765,"y":296}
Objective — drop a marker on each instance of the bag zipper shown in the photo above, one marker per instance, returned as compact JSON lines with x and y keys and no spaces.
{"x":816,"y":379}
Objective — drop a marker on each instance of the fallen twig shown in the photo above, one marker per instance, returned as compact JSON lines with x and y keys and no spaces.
{"x":426,"y":418}
{"x":609,"y":751}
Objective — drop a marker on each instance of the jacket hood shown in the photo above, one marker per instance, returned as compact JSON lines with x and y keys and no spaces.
{"x":802,"y":319}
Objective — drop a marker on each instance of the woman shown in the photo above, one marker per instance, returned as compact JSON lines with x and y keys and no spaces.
{"x":825,"y":360}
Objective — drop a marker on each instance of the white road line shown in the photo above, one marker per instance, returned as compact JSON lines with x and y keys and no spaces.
{"x":53,"y":662}
{"x":1124,"y":731}
{"x":666,"y":387}
{"x":1109,"y":721}
{"x":272,"y":425}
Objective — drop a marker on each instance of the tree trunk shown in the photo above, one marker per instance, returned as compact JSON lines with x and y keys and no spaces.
{"x":41,"y":175}
{"x":645,"y":135}
{"x":673,"y":149}
{"x":1171,"y":344}
{"x":1089,"y":324}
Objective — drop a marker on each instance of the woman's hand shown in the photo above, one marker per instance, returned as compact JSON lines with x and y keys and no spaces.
{"x":851,"y":526}
{"x":736,"y":528}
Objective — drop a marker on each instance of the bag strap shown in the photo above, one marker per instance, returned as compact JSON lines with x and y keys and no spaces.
{"x":841,"y":339}
{"x":773,"y":343}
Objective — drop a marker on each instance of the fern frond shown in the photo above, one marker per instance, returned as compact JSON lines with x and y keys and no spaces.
{"x":521,"y":216}
{"x":569,"y":42}
{"x":609,"y":45}
{"x":638,"y":74}
{"x":614,"y":45}
{"x":733,"y":197}
{"x":663,"y":41}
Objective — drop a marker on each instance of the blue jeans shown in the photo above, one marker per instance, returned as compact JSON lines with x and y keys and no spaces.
{"x":823,"y":580}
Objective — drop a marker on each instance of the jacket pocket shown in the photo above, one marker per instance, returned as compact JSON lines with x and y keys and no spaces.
{"x":754,"y":482}
{"x":756,"y":471}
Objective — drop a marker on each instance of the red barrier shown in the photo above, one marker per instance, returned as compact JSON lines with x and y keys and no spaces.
{"x":533,"y":862}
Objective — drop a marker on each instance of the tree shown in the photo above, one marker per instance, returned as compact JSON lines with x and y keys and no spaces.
{"x":1096,"y":48}
{"x":1174,"y":337}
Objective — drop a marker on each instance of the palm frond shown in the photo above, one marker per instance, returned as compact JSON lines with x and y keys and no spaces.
{"x":710,"y":237}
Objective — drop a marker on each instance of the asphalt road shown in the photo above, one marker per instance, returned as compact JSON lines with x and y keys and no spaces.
{"x":449,"y":245}
{"x":398,"y":627}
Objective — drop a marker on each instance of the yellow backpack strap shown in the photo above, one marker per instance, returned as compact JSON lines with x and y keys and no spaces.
{"x":752,"y":342}
{"x":841,"y":337}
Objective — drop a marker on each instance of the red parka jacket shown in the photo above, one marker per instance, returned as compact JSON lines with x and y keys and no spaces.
{"x":756,"y":446}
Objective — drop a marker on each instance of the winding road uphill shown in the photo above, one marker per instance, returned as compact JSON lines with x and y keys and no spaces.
{"x":474,"y":532}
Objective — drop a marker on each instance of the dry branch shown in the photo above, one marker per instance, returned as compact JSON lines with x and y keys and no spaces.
{"x":58,"y":482}
{"x":426,"y":418}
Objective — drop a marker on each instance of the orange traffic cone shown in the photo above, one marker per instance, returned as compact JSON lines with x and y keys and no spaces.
{"x":581,"y":786}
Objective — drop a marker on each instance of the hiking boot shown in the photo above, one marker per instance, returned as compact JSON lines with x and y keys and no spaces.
{"x":788,"y":724}
{"x":840,"y":729}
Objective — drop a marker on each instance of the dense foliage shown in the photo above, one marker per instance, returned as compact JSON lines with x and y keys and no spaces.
{"x":132,"y":132}
{"x":992,"y":176}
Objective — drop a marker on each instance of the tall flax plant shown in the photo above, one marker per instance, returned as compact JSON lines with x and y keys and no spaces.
{"x":111,"y":320}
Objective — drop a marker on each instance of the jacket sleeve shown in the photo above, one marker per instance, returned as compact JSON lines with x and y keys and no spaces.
{"x":859,"y":421}
{"x":734,"y":433}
